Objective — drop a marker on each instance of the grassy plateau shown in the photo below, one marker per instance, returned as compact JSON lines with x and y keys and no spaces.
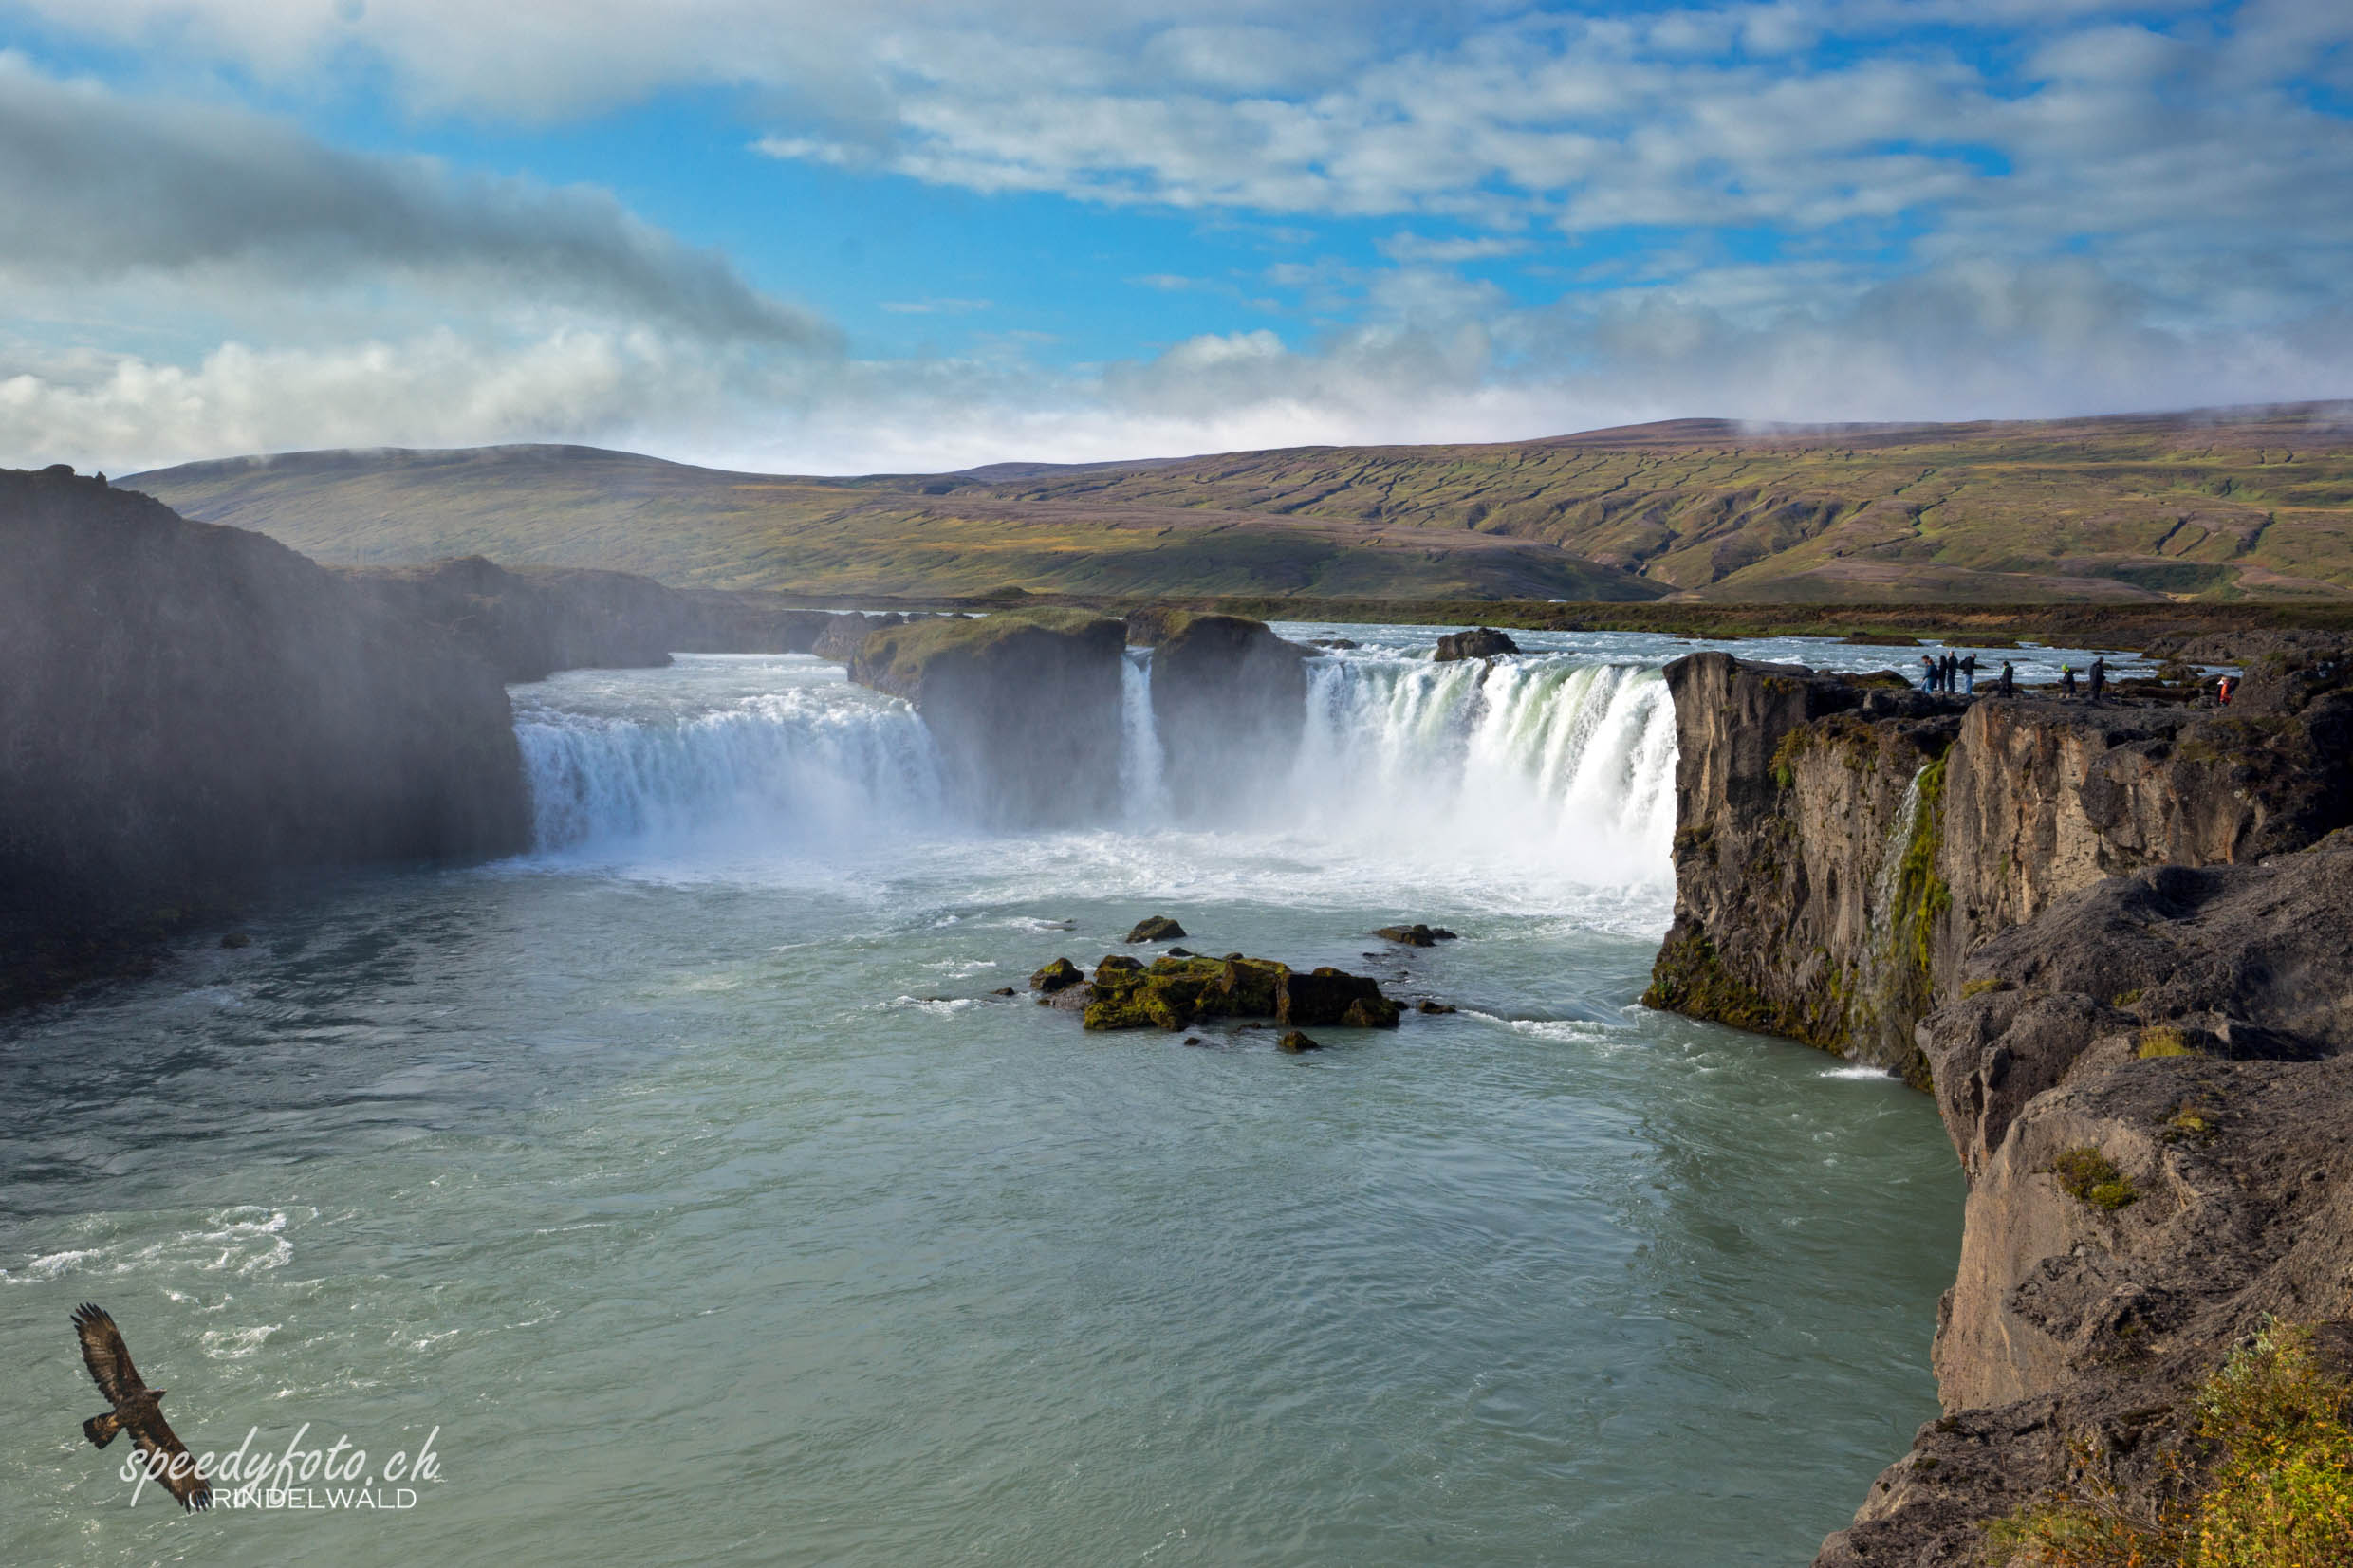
{"x":2151,"y":509}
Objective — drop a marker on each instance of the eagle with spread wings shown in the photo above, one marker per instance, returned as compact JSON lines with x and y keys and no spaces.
{"x":139,"y":1409}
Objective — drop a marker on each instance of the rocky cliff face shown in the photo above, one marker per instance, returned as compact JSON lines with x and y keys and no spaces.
{"x":528,"y":625}
{"x":1228,"y":702}
{"x":1025,"y":707}
{"x":2147,"y":1087}
{"x":191,"y":711}
{"x":2107,"y":940}
{"x":1843,"y":845}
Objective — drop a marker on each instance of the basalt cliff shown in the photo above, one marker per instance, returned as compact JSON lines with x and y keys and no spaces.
{"x":196,"y":714}
{"x":2110,"y":941}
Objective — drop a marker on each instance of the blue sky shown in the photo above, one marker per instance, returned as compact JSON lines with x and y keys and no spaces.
{"x":942,"y":232}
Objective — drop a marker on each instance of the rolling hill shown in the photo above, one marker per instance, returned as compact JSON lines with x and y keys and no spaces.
{"x":2222,"y":504}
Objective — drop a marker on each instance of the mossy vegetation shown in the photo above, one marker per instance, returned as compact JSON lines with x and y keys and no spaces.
{"x":2089,"y":1176}
{"x":1985,"y":986}
{"x":1173,"y":993}
{"x":2268,"y":1483}
{"x":2160,"y":1041}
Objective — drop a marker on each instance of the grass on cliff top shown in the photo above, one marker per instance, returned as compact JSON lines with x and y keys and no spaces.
{"x":899,"y":653}
{"x":2275,"y":1491}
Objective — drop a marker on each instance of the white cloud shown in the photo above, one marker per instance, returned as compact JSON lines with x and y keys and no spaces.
{"x":96,"y":187}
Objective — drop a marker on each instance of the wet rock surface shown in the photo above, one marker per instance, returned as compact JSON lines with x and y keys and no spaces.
{"x":1228,"y":702}
{"x":1481,"y":643}
{"x":1157,"y":928}
{"x":1416,"y":935}
{"x":193,"y":713}
{"x":1171,"y":993}
{"x":1024,"y":706}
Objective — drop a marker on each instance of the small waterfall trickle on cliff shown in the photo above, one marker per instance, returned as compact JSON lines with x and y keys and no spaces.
{"x":806,"y":766}
{"x":1883,"y":961}
{"x":1143,"y":782}
{"x":1534,"y":760}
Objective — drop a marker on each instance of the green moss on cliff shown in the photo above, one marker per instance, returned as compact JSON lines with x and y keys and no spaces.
{"x":1690,"y":978}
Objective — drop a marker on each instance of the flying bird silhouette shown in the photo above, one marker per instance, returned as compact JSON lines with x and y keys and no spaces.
{"x":139,"y":1409}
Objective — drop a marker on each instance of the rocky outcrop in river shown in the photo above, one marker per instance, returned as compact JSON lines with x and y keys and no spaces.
{"x":1024,"y":707}
{"x":1228,"y":702}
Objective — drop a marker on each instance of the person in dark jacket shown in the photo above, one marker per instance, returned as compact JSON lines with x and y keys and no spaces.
{"x":1969,"y":676}
{"x":2010,"y":680}
{"x":1928,"y":672}
{"x":1951,"y":672}
{"x":2067,"y":680}
{"x":2099,"y":677}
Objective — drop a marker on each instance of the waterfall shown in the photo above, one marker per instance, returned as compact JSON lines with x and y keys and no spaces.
{"x":1542,"y":765}
{"x":804,"y":766}
{"x":1538,"y":758}
{"x":1142,"y":786}
{"x":1882,"y":963}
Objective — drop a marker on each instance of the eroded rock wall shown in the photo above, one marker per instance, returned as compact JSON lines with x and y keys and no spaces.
{"x":2180,"y":1032}
{"x":1842,"y":847}
{"x":191,"y":710}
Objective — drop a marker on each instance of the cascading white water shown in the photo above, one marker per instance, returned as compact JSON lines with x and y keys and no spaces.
{"x":1543,"y":767}
{"x":1536,"y":759}
{"x":1143,"y":784}
{"x":793,"y":767}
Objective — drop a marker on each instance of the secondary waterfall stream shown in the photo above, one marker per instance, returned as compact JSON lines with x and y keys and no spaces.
{"x":688,"y":1175}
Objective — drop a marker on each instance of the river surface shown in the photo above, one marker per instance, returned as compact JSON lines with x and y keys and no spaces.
{"x":684,"y":1182}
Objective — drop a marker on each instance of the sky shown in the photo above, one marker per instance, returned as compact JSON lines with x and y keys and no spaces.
{"x":918,"y":235}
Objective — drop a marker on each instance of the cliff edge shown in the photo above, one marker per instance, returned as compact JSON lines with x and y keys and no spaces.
{"x":2109,"y":939}
{"x":193,"y":711}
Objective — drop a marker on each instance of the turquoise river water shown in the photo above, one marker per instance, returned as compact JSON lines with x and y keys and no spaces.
{"x":686,"y":1185}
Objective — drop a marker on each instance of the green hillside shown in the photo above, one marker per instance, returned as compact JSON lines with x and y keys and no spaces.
{"x":2218,"y":504}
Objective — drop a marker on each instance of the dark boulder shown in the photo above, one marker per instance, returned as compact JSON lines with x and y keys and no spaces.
{"x":1416,"y":935}
{"x":1293,"y":1042}
{"x":1484,"y":642}
{"x":1429,"y":1006}
{"x":1056,"y":976}
{"x":1333,"y":996}
{"x":1157,"y":928}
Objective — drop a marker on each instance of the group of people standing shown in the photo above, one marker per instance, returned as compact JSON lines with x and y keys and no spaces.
{"x":1959,"y":673}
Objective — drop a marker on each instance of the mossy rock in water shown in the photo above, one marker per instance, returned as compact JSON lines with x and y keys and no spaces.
{"x":1113,"y":962}
{"x":1294,"y":1042}
{"x":1245,"y":987}
{"x":1158,"y":928}
{"x":1059,"y":975}
{"x":1130,"y":1000}
{"x":1333,"y":996}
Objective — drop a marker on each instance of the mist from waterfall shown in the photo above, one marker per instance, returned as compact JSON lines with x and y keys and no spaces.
{"x":1547,"y":771}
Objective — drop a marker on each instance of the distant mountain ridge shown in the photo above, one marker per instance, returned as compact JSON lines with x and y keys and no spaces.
{"x":2212,"y":504}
